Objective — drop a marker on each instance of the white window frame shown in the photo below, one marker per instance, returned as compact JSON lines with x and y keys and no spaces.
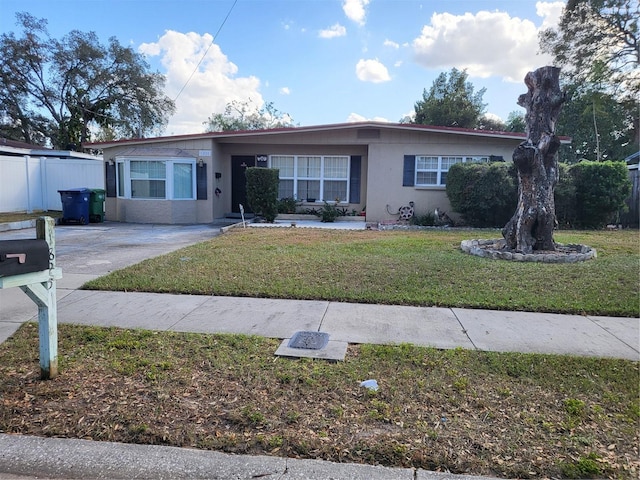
{"x":124,"y":166}
{"x":444,"y":162}
{"x":322,"y":178}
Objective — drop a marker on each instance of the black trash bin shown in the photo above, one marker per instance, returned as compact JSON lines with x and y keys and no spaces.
{"x":96,"y":205}
{"x":75,"y":205}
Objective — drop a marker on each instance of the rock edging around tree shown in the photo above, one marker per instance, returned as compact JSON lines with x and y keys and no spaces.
{"x":497,"y":249}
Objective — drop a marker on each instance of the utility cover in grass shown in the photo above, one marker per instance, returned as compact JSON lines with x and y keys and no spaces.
{"x":309,"y":340}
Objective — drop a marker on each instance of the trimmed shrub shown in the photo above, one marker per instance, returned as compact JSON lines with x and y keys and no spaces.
{"x":262,"y":191}
{"x":565,"y":197}
{"x":601,"y":190}
{"x":588,"y":194}
{"x":485,"y":194}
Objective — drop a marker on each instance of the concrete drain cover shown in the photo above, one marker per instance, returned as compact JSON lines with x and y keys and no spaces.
{"x":309,"y":340}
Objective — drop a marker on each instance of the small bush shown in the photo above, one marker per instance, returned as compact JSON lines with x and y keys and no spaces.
{"x":484,"y":194}
{"x":287,"y":205}
{"x":262,"y":191}
{"x":428,"y":219}
{"x":328,"y":212}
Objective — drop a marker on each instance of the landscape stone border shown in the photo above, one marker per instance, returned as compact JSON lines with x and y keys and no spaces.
{"x":496,"y":249}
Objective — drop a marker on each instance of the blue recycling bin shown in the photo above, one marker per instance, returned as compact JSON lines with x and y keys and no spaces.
{"x":75,"y":205}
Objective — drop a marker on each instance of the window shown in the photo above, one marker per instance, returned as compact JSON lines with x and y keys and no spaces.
{"x":156,"y":179}
{"x":432,"y":170}
{"x":315,"y":177}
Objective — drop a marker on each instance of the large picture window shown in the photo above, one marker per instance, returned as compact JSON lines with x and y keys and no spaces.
{"x":432,"y":170}
{"x":170,"y":179}
{"x":313,"y":177}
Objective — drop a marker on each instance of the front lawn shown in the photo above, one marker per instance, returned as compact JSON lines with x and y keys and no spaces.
{"x":424,"y":268}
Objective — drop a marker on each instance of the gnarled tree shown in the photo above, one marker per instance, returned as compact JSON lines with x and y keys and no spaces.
{"x":531,"y":227}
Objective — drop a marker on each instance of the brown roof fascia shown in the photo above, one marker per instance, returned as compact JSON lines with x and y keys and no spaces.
{"x":314,"y":128}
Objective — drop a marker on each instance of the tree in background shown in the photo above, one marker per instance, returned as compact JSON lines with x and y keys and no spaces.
{"x":600,"y":127}
{"x":597,"y":44}
{"x":56,"y":92}
{"x":450,"y":102}
{"x":247,"y":116}
{"x":516,"y":122}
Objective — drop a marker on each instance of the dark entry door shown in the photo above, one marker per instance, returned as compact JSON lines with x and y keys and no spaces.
{"x":239,"y":165}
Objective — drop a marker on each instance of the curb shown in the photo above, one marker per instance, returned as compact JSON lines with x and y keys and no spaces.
{"x":5,"y":227}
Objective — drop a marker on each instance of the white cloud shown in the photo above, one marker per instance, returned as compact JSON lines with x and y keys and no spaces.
{"x":372,"y":71}
{"x":333,"y":31}
{"x":213,"y":85}
{"x":356,"y":117}
{"x":486,"y":43}
{"x":550,"y":13}
{"x":285,"y":91}
{"x":391,"y":43}
{"x":355,"y":10}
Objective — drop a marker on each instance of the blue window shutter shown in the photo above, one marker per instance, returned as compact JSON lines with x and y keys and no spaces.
{"x":409,"y":171}
{"x":354,"y":179}
{"x":201,"y":182}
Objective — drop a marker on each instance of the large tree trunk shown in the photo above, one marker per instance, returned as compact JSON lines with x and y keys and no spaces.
{"x":531,"y":227}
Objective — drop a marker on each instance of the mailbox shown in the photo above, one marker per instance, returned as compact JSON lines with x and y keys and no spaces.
{"x":23,"y":256}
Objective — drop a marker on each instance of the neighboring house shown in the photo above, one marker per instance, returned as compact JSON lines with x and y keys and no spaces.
{"x":375,"y":166}
{"x":30,"y":176}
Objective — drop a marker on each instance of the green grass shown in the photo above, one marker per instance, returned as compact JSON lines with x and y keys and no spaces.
{"x":424,"y":268}
{"x":506,"y":414}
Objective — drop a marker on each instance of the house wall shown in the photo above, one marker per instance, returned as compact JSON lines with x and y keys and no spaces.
{"x":382,"y":151}
{"x":385,"y":193}
{"x":170,"y":211}
{"x":228,"y":150}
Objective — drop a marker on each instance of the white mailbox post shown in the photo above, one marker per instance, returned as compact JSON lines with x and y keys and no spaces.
{"x":41,"y":288}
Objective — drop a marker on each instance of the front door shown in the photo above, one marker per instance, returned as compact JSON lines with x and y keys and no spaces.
{"x":239,"y":164}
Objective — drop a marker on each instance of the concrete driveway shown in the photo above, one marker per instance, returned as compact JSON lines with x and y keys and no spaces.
{"x":85,"y":252}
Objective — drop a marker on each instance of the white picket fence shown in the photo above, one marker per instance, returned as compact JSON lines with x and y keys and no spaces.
{"x":29,"y":183}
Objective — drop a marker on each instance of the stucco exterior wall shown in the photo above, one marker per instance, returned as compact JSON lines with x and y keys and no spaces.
{"x":385,"y":192}
{"x":381,"y":147}
{"x":170,"y":211}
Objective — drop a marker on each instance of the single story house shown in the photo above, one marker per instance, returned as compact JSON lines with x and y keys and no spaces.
{"x":373,"y":166}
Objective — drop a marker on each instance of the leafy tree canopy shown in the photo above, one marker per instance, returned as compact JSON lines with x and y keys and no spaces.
{"x":601,"y":127}
{"x":57,"y":92}
{"x":244,"y":115}
{"x":597,"y":43}
{"x":451,"y":102}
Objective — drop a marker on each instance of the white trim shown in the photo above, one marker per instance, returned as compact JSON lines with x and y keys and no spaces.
{"x":296,"y":178}
{"x":168,"y":176}
{"x":439,"y":170}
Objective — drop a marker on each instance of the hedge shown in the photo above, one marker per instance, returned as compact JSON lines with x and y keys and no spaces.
{"x":588,"y":194}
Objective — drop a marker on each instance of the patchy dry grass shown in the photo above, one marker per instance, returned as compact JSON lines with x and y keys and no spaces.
{"x":504,"y":414}
{"x":21,"y":216}
{"x":424,"y":268}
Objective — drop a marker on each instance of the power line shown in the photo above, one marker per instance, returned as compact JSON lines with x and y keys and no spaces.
{"x":206,"y":51}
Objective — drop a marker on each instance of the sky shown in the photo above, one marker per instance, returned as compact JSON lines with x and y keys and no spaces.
{"x":319,"y":61}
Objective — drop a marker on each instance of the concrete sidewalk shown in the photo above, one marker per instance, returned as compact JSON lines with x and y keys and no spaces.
{"x":87,"y":252}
